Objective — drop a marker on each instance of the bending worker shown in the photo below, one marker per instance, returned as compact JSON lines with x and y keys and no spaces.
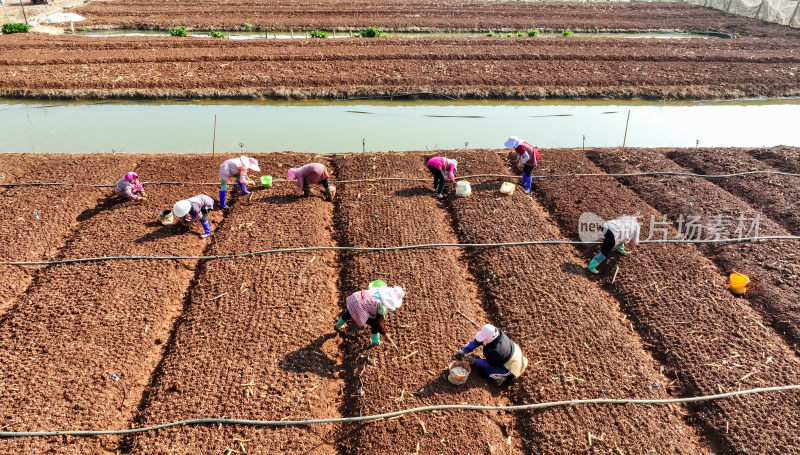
{"x":527,"y":158}
{"x":438,"y":165}
{"x":235,"y":168}
{"x":193,"y":209}
{"x":309,"y":174}
{"x":504,"y":359}
{"x":130,"y":188}
{"x":615,"y":234}
{"x":370,"y":306}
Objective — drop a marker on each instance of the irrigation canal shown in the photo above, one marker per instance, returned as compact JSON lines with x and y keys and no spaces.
{"x":353,"y":126}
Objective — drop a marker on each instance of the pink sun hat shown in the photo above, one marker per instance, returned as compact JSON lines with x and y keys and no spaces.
{"x":292,"y":173}
{"x":487,"y":334}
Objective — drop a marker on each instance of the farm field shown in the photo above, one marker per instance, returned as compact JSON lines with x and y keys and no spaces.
{"x":117,"y":344}
{"x":482,"y":67}
{"x":418,"y":15}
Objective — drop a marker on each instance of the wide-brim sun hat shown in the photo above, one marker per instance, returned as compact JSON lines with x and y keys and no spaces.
{"x":512,"y":142}
{"x":486,"y":334}
{"x":131,"y":176}
{"x":181,"y":208}
{"x":291,"y":173}
{"x":252,"y":163}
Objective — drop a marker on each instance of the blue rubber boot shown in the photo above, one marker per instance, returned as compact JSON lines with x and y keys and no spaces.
{"x":528,"y":181}
{"x":222,"y":195}
{"x":206,"y":229}
{"x":242,"y":188}
{"x":376,"y":338}
{"x":597,"y":260}
{"x":621,"y":249}
{"x":340,"y":323}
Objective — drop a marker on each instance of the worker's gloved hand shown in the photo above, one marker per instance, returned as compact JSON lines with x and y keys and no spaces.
{"x":470,"y":359}
{"x":459,"y":355}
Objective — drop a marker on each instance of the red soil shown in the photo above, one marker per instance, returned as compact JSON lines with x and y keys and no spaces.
{"x":256,"y":335}
{"x":774,"y":195}
{"x":75,"y":66}
{"x":426,"y":329}
{"x":42,"y":239}
{"x":577,"y":340}
{"x":253,"y":337}
{"x":415,"y":15}
{"x":769,"y":265}
{"x":710,"y":340}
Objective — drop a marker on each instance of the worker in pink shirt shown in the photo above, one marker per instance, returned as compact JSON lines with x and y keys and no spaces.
{"x":527,"y":158}
{"x":439,"y":165}
{"x":235,"y":168}
{"x":370,"y":306}
{"x":130,"y":188}
{"x":311,"y":173}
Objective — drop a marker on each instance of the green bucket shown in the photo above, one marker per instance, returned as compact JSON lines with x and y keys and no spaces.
{"x":266,"y":181}
{"x":377,"y":284}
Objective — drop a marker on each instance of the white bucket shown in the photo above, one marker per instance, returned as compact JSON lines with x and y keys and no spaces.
{"x":463,"y":188}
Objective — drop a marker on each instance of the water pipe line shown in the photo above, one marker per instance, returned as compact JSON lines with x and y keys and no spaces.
{"x":390,"y":415}
{"x":384,"y":248}
{"x":419,"y":179}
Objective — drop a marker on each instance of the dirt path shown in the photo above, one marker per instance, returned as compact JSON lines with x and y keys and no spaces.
{"x":679,"y":303}
{"x":256,"y":339}
{"x":769,"y":264}
{"x":84,"y":67}
{"x":426,"y":330}
{"x":777,"y":196}
{"x":60,"y":210}
{"x":79,"y":325}
{"x":416,"y":15}
{"x":578,"y":341}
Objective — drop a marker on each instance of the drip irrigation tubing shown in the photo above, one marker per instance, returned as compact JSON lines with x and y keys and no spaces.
{"x":385,"y":248}
{"x":390,"y":415}
{"x":418,"y":179}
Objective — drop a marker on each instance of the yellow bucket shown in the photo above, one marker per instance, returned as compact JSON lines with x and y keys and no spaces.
{"x":738,"y":283}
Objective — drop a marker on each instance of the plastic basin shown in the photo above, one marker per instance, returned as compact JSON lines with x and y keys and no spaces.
{"x":166,"y":217}
{"x":463,"y":188}
{"x":456,"y":369}
{"x":377,"y":284}
{"x":266,"y":181}
{"x":738,"y":283}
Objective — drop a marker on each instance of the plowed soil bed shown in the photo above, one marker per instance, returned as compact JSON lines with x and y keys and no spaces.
{"x":75,"y":66}
{"x":418,"y":15}
{"x":253,"y":337}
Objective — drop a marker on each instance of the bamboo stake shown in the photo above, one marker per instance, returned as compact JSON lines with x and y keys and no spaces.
{"x":615,"y":275}
{"x":23,"y":11}
{"x":214,"y":139}
{"x":468,"y":319}
{"x":4,"y":10}
{"x":392,"y":341}
{"x":625,"y":137}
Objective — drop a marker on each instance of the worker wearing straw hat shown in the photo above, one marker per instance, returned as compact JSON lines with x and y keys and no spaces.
{"x":615,"y":234}
{"x":370,"y":306}
{"x":193,"y":209}
{"x":309,"y":174}
{"x":504,"y":359}
{"x":130,"y":188}
{"x":235,"y":168}
{"x":527,"y":158}
{"x":438,"y":165}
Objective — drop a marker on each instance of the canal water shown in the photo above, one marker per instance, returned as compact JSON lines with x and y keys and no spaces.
{"x":355,"y":126}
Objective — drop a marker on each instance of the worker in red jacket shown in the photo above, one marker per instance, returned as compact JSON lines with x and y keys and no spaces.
{"x":527,"y":158}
